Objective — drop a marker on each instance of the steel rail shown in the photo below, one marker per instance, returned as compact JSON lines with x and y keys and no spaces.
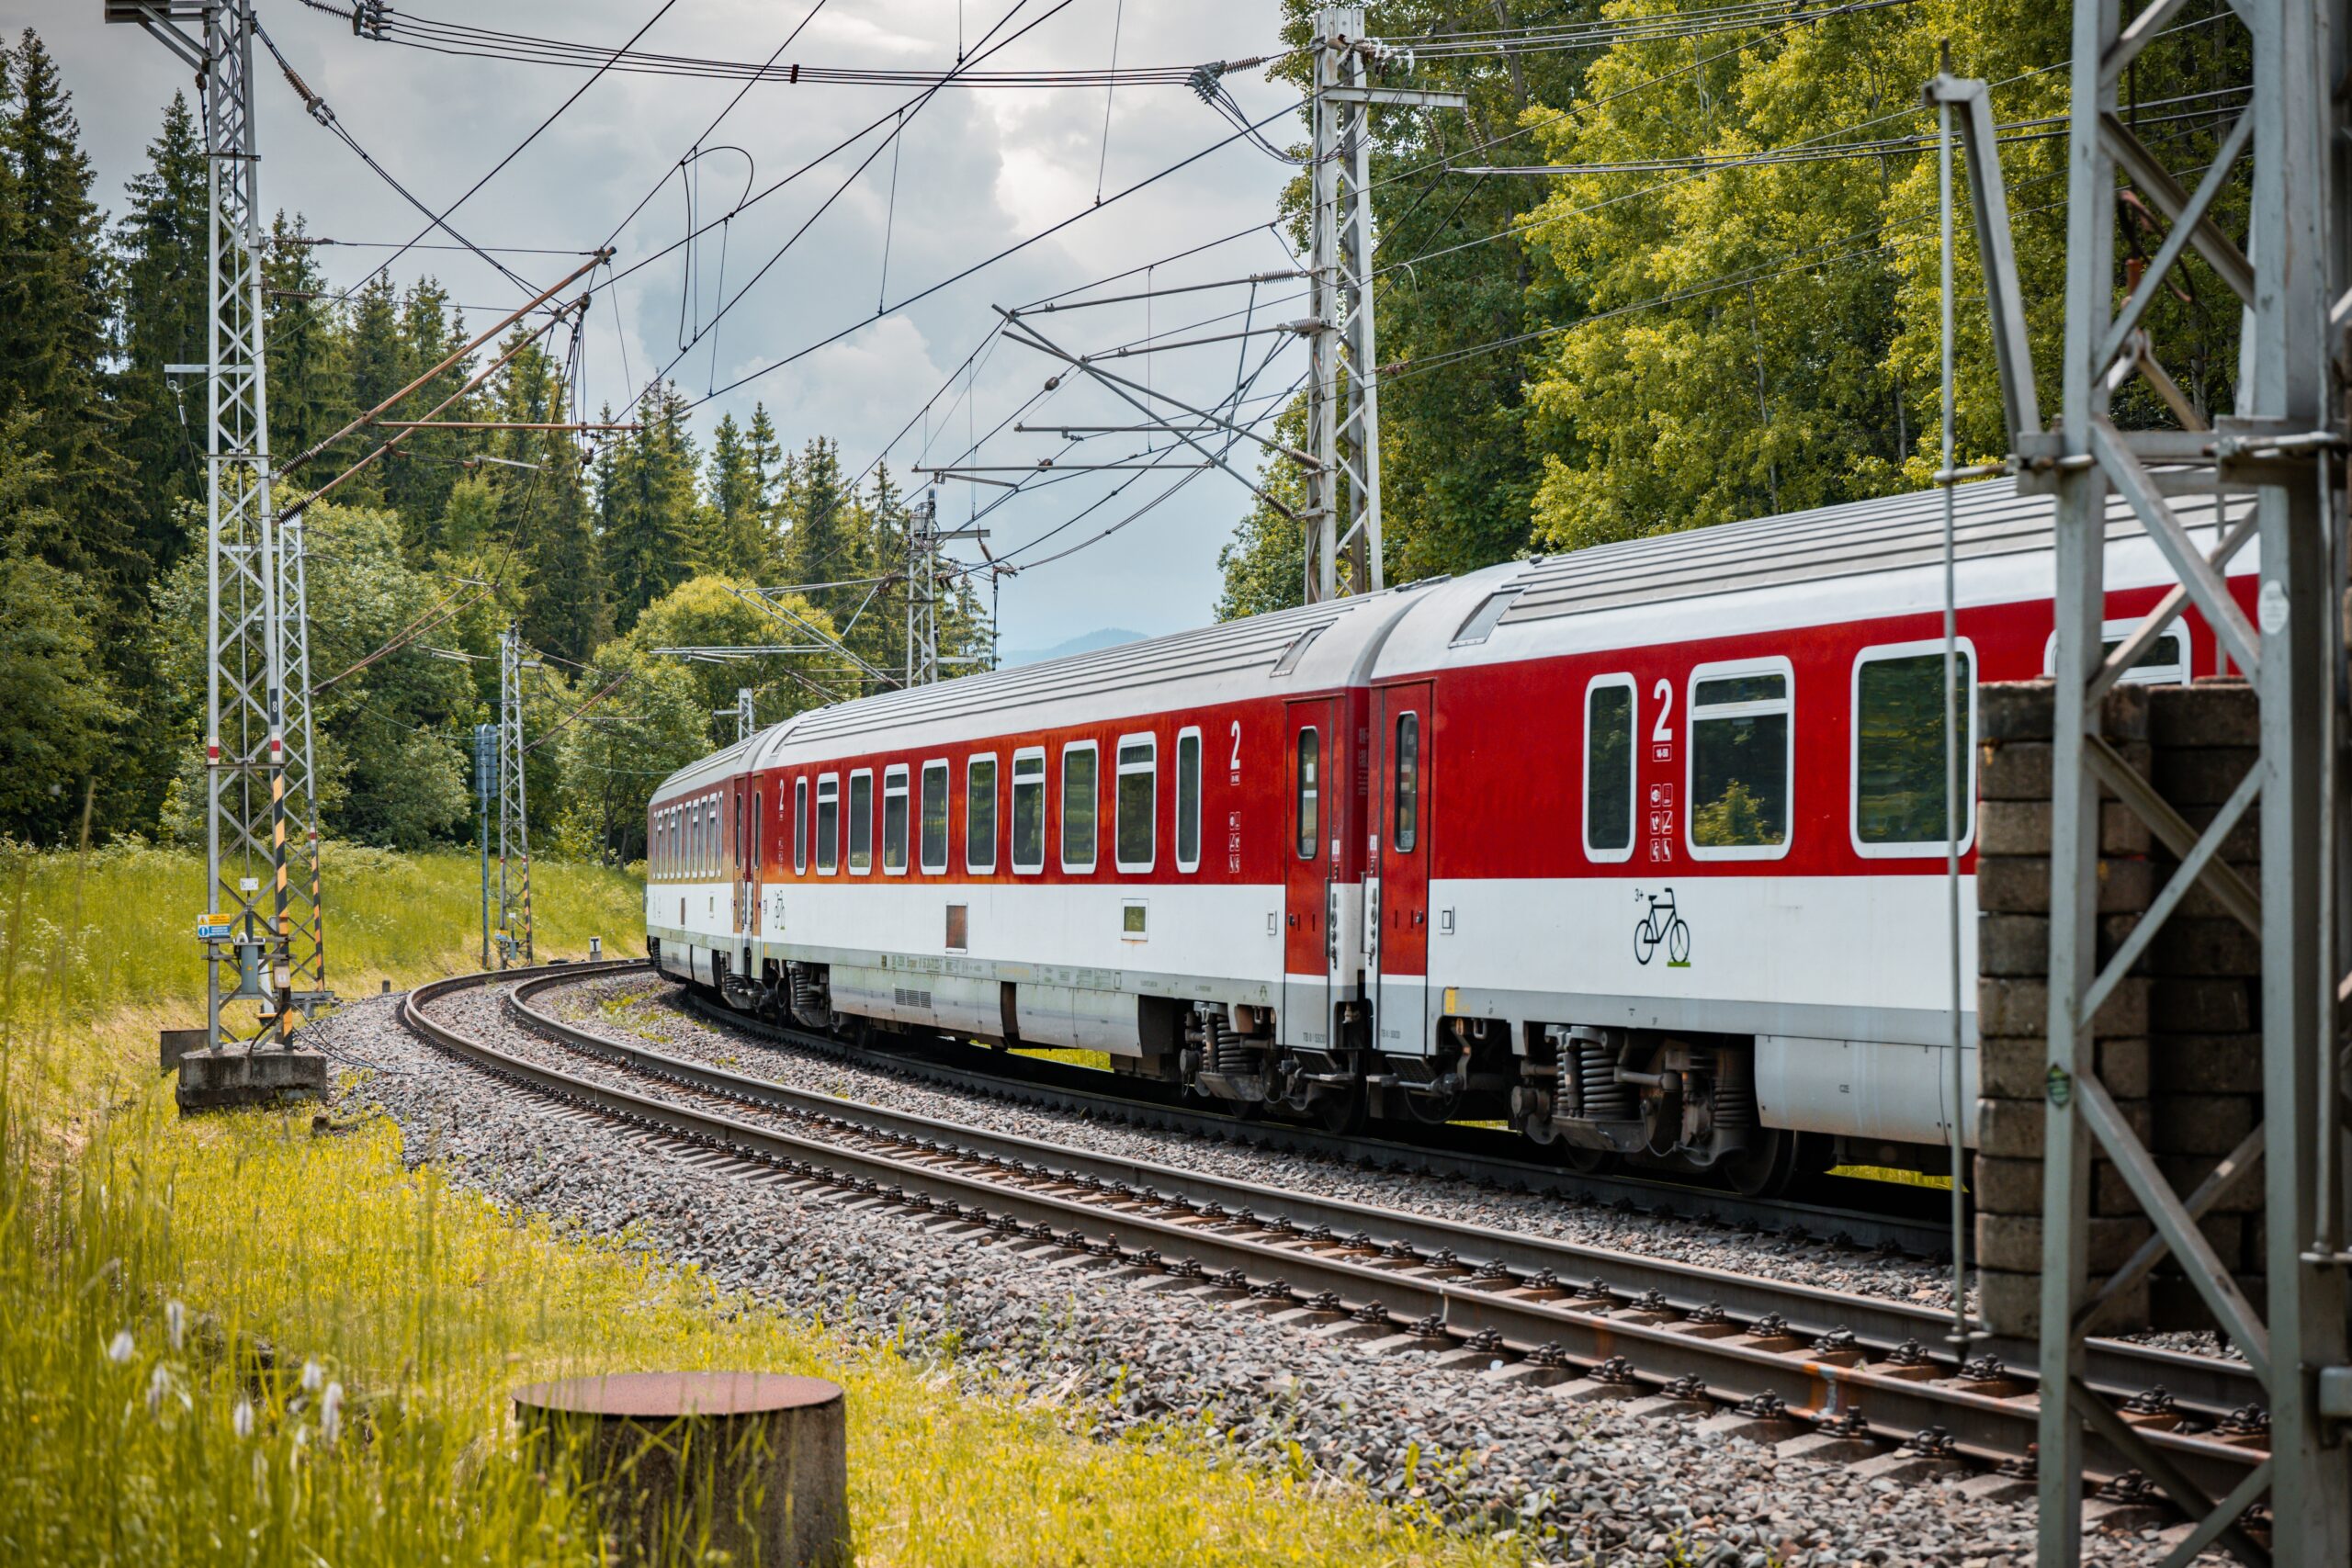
{"x":1332,"y":1279}
{"x":1050,"y":1084}
{"x":2210,"y":1385}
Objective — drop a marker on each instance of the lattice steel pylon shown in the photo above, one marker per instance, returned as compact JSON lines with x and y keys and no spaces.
{"x":923,"y":591}
{"x":513,"y":814}
{"x":2283,"y":447}
{"x":264,"y":933}
{"x":1343,"y":512}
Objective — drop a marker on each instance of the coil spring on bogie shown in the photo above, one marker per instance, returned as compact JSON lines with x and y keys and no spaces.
{"x":1227,"y":1051}
{"x":1603,"y":1098}
{"x":808,"y":998}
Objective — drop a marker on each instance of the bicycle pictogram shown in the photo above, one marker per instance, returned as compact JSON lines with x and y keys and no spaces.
{"x":1662,"y":924}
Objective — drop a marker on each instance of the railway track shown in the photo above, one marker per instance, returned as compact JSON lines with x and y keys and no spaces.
{"x":1854,"y":1377}
{"x":1918,"y":1226}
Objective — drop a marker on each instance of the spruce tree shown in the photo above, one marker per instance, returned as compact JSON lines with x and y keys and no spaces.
{"x":309,"y":385}
{"x":824,"y":540}
{"x":737,"y":536}
{"x":56,"y":303}
{"x":162,"y":245}
{"x":649,"y":508}
{"x":373,"y":358}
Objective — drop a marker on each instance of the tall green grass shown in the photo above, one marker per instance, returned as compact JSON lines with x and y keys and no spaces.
{"x":232,"y":1340}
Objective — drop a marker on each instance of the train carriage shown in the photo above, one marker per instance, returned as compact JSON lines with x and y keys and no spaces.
{"x":1641,"y":847}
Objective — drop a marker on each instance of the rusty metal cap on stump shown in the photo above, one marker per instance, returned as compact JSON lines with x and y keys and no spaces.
{"x":670,"y":1396}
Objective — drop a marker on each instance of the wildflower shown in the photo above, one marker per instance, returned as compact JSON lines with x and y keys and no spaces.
{"x":158,"y":1384}
{"x":241,"y":1419}
{"x":121,"y":1348}
{"x":331,"y":1413}
{"x":175,"y":1323}
{"x":314,"y":1375}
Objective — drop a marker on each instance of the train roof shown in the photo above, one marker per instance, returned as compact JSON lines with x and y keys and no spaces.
{"x":1856,"y":558}
{"x":1876,"y":557}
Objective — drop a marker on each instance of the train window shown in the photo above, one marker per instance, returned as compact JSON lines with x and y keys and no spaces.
{"x":1309,"y":784}
{"x":1138,"y":802}
{"x":894,"y":820}
{"x":1188,"y":800}
{"x":1029,"y":811}
{"x":1609,"y":767}
{"x":1081,"y":792}
{"x":829,"y":820}
{"x":861,"y":822}
{"x":800,"y":824}
{"x":2165,"y":664}
{"x":1405,"y":791}
{"x":1742,"y":752}
{"x":935,"y":818}
{"x":1900,"y":768}
{"x":979,"y":815}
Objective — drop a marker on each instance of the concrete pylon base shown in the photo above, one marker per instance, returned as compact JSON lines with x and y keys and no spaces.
{"x":216,"y":1080}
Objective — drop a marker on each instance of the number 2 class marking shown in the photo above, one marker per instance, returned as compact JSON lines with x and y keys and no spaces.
{"x":1235,"y":766}
{"x":1662,"y":732}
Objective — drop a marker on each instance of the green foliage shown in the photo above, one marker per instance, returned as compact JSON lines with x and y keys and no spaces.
{"x":161,"y":244}
{"x":645,"y":506}
{"x":60,"y":720}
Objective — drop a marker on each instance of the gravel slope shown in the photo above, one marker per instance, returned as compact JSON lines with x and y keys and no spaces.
{"x":1575,"y":1483}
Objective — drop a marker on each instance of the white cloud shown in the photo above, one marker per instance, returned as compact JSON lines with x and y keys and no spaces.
{"x":978,"y":171}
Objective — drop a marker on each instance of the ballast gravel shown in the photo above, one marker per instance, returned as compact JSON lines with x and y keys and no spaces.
{"x":644,"y":1008}
{"x":1569,"y":1483}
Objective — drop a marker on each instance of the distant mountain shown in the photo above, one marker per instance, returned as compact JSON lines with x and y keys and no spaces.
{"x":1085,"y":642}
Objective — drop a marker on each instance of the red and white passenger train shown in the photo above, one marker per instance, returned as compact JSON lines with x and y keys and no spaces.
{"x":1641,"y":846}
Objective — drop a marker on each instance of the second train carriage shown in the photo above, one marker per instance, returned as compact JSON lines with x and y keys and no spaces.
{"x":1641,"y":846}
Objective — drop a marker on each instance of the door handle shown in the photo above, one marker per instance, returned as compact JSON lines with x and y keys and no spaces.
{"x":1420,"y":917}
{"x":1293,"y":923}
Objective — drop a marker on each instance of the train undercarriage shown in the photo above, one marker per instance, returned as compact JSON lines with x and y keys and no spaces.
{"x":1600,"y":1099}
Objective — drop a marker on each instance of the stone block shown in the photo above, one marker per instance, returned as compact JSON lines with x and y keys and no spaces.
{"x":2020,"y":885}
{"x":2014,"y":1187}
{"x":2205,"y":1064}
{"x":2016,"y":710}
{"x":2201,"y":948}
{"x":2011,"y":1129}
{"x":2186,"y":1172}
{"x":2012,"y":1304}
{"x":2017,"y":1066}
{"x":2242,"y":847}
{"x":216,"y":1080}
{"x":2021,"y":1006}
{"x":2022,"y":828}
{"x":2202,"y":1007}
{"x":2203,"y":1123}
{"x":2210,"y":713}
{"x":171,"y":1044}
{"x":2024,"y":769}
{"x":2201,"y":775}
{"x":2014,"y":1241}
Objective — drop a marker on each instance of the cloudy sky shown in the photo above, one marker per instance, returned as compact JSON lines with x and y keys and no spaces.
{"x":975,"y":172}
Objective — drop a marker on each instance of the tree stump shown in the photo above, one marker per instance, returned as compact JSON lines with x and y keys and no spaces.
{"x":752,"y":1463}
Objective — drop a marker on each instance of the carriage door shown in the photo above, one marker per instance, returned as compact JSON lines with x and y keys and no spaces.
{"x":1310,"y":848}
{"x":739,"y":844}
{"x":1396,"y":905}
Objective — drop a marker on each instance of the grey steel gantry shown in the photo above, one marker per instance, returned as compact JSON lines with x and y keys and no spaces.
{"x":265,"y":929}
{"x":513,"y":814}
{"x":2283,"y":446}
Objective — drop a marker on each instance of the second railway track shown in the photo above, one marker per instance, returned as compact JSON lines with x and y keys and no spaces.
{"x":1787,"y":1359}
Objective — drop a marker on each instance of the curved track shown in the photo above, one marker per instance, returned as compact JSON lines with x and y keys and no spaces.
{"x":1914,"y":1220}
{"x":1786,"y":1354}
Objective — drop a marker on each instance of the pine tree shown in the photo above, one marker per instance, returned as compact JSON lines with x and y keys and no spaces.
{"x":162,"y":244}
{"x":420,"y":470}
{"x":56,"y":303}
{"x":546,"y":523}
{"x":373,"y":359}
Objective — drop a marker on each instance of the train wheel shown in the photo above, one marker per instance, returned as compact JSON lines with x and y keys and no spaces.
{"x":1589,"y":1162}
{"x":1764,"y":1168}
{"x":1343,"y":1112}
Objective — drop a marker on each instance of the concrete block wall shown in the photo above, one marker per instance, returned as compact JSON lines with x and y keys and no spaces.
{"x":2179,"y":1044}
{"x":2014,"y":721}
{"x":2205,"y":1005}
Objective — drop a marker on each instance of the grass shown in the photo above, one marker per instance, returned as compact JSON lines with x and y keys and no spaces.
{"x":229,"y":1340}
